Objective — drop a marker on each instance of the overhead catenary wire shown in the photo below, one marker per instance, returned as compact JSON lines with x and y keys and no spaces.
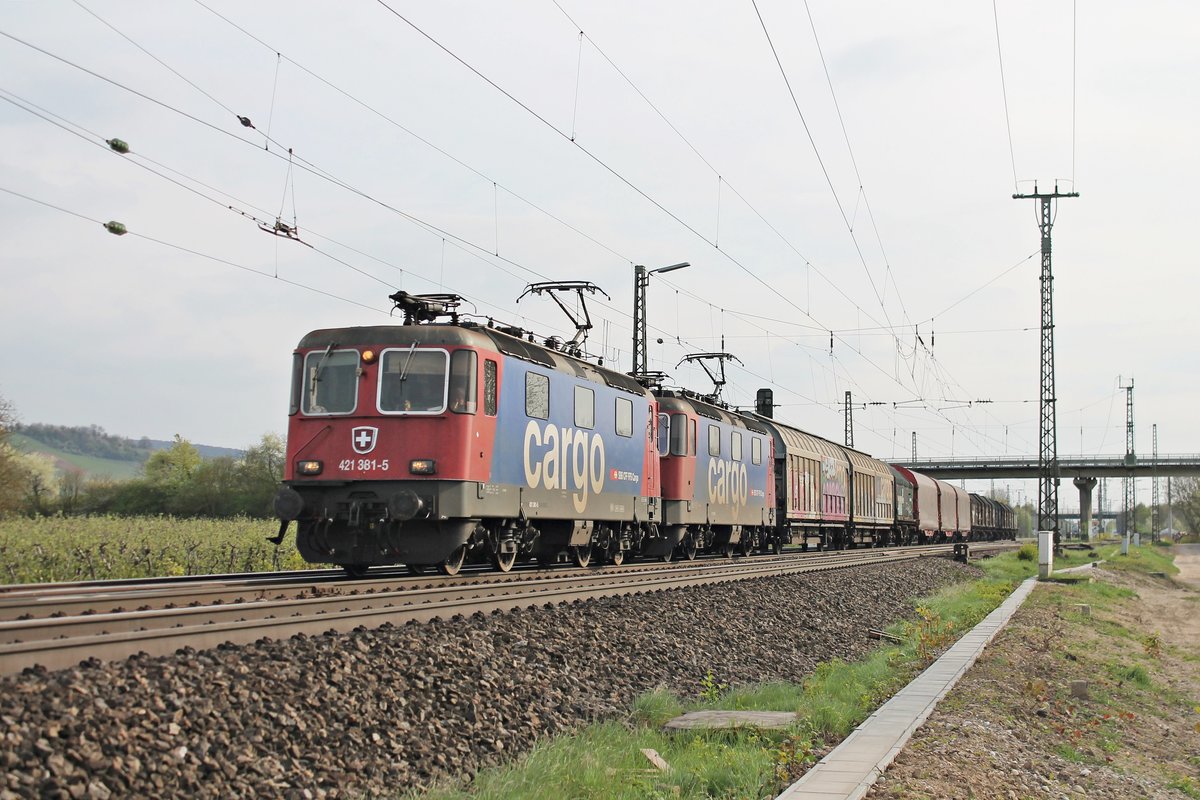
{"x":240,"y":137}
{"x":1004,"y":93}
{"x":356,"y":100}
{"x":616,"y":173}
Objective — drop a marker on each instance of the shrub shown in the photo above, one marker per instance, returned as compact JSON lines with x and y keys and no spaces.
{"x":1027,"y":553}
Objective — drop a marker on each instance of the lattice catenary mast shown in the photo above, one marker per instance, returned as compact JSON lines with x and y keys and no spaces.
{"x":849,"y":421}
{"x":1048,"y":444}
{"x":1130,"y":461}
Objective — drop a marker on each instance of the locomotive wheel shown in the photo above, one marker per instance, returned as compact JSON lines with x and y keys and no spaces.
{"x":454,"y":563}
{"x":356,"y":570}
{"x":667,"y":556}
{"x":417,"y":569}
{"x":617,"y":557}
{"x":728,"y":550}
{"x":689,"y":547}
{"x":582,"y":555}
{"x":745,"y":547}
{"x":504,"y":561}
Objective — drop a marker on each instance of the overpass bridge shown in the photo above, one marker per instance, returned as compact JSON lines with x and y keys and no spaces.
{"x":1083,"y":470}
{"x":1068,"y":467}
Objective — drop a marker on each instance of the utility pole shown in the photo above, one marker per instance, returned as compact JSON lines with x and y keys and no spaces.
{"x":641,"y":281}
{"x":1048,"y":441}
{"x":1154,"y":485}
{"x":849,"y":421}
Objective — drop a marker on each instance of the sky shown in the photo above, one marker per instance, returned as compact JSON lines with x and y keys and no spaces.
{"x":834,"y":173}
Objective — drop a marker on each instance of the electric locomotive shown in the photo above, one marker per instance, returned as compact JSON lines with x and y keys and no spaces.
{"x":717,"y":491}
{"x":434,"y":443}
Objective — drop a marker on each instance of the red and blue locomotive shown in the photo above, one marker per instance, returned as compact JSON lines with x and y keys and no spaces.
{"x":433,"y":443}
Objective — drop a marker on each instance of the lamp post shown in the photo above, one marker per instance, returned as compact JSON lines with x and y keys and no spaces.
{"x":641,"y":280}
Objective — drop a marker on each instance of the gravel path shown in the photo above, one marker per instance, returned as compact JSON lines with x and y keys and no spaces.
{"x":395,"y":708}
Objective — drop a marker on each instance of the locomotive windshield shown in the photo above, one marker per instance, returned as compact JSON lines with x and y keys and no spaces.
{"x":330,"y":382}
{"x":413,"y":381}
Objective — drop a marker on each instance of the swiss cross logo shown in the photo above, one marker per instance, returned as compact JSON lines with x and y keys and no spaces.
{"x":363,"y":439}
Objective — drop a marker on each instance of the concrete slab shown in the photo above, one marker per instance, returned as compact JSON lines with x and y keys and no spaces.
{"x":848,"y":772}
{"x":769,"y":720}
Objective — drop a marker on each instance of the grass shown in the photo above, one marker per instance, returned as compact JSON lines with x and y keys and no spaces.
{"x":1141,"y":559}
{"x":42,"y":549}
{"x":604,"y":760}
{"x":1136,"y":674}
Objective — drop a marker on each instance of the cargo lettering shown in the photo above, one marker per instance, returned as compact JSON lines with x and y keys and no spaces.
{"x":564,"y":458}
{"x":728,"y":482}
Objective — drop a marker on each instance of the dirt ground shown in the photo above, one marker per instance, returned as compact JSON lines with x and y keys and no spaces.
{"x":1012,"y":730}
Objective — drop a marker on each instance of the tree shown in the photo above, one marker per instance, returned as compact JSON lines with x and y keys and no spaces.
{"x":260,"y":471}
{"x":211,"y":491}
{"x":12,"y":474}
{"x":1185,"y":503}
{"x":173,"y":467}
{"x":71,"y":490}
{"x":39,"y":482}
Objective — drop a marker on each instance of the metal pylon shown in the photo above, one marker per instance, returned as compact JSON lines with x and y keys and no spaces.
{"x":1130,"y":460}
{"x":1048,"y":472}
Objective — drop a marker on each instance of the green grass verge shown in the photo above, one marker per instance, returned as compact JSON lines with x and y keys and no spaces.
{"x":604,"y":760}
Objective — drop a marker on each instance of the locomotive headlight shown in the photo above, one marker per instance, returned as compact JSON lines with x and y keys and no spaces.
{"x":422,"y":466}
{"x":309,"y":467}
{"x":368,"y":356}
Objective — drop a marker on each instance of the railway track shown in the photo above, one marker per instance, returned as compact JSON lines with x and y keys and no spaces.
{"x":58,"y":625}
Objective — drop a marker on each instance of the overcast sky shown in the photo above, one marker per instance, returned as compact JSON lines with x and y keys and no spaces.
{"x":498,"y":147}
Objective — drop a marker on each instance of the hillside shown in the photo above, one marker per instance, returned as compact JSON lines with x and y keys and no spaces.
{"x":95,"y":452}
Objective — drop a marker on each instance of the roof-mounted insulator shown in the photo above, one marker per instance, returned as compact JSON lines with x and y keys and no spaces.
{"x":118,"y":145}
{"x":116,"y":228}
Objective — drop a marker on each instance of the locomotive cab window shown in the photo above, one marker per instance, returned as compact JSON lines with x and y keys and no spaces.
{"x":735,"y":446}
{"x":463,"y":381}
{"x":714,"y":440}
{"x":412,"y":381}
{"x":585,"y":407}
{"x":330,"y":382}
{"x":679,"y":435}
{"x":624,"y":417}
{"x":297,"y":383}
{"x":664,"y":426}
{"x":537,"y":395}
{"x":756,"y":450}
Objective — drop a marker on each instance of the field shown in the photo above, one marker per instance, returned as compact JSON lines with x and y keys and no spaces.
{"x":93,"y":466}
{"x":46,"y":549}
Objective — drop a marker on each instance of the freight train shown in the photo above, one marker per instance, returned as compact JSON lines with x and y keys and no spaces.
{"x":444,"y":441}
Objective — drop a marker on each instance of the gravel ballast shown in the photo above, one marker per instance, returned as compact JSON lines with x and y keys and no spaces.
{"x":386,"y":710}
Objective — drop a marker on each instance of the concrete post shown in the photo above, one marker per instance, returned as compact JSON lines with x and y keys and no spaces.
{"x":1045,"y":554}
{"x":1085,"y":486}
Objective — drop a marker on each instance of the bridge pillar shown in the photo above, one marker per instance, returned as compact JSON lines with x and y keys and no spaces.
{"x":1085,"y":486}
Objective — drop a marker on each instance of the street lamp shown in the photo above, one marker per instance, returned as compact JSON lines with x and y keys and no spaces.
{"x":641,"y":280}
